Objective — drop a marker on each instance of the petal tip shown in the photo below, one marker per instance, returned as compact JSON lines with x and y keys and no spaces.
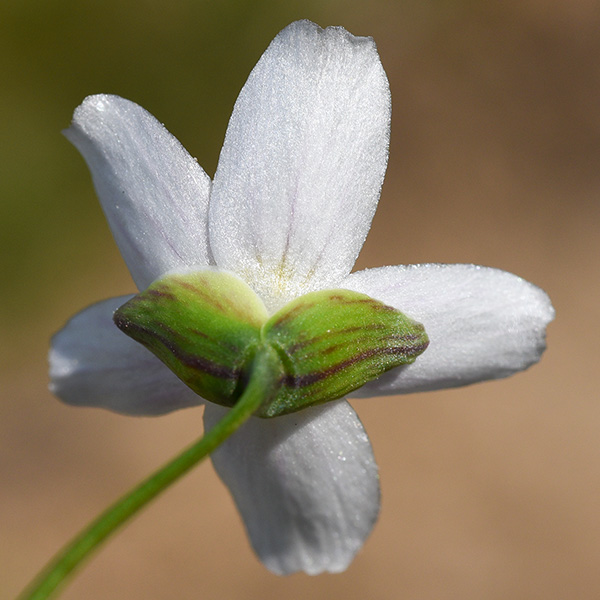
{"x":92,"y":109}
{"x":307,"y":27}
{"x":99,"y":102}
{"x":307,"y":34}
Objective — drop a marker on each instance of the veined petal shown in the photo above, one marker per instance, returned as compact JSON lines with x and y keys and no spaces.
{"x":305,"y":484}
{"x":482,"y":323}
{"x":303,"y":161}
{"x":92,"y":363}
{"x":154,"y":194}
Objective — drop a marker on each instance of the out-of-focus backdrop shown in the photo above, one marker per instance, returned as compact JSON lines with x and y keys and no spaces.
{"x":488,"y":492}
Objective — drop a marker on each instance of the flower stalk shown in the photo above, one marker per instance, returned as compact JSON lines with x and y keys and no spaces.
{"x":263,"y":384}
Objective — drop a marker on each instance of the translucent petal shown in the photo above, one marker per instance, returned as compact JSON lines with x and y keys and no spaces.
{"x":306,"y":485}
{"x":92,"y":363}
{"x":303,"y":161}
{"x":482,"y":323}
{"x":154,"y":194}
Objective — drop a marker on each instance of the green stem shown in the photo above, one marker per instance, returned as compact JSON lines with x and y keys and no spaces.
{"x":263,"y":384}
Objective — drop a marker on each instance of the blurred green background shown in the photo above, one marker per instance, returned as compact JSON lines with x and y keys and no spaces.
{"x":488,"y":492}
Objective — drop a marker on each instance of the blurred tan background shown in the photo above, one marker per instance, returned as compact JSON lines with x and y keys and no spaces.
{"x":488,"y":492}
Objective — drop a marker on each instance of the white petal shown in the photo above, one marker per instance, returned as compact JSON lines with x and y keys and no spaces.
{"x":306,"y":485}
{"x":154,"y":194}
{"x":482,"y":323}
{"x":92,"y":363}
{"x":304,"y":157}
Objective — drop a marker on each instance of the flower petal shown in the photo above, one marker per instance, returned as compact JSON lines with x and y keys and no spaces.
{"x":306,"y":485}
{"x":154,"y":194}
{"x":92,"y":363}
{"x":303,"y":161}
{"x":482,"y":323}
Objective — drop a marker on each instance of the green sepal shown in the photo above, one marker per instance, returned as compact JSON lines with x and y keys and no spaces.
{"x":208,"y":326}
{"x":332,"y":342}
{"x":203,"y":325}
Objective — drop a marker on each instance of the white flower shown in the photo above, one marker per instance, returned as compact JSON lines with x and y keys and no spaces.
{"x":292,"y":200}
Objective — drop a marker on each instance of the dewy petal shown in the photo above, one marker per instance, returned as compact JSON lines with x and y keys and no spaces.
{"x":92,"y":363}
{"x":154,"y":194}
{"x":306,"y":485}
{"x":303,"y":161}
{"x":482,"y":323}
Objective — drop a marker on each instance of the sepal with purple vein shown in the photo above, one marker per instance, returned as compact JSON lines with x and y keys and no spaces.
{"x":207,"y":327}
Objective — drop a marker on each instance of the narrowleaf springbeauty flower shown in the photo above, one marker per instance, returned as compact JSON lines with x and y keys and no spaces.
{"x":297,"y":184}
